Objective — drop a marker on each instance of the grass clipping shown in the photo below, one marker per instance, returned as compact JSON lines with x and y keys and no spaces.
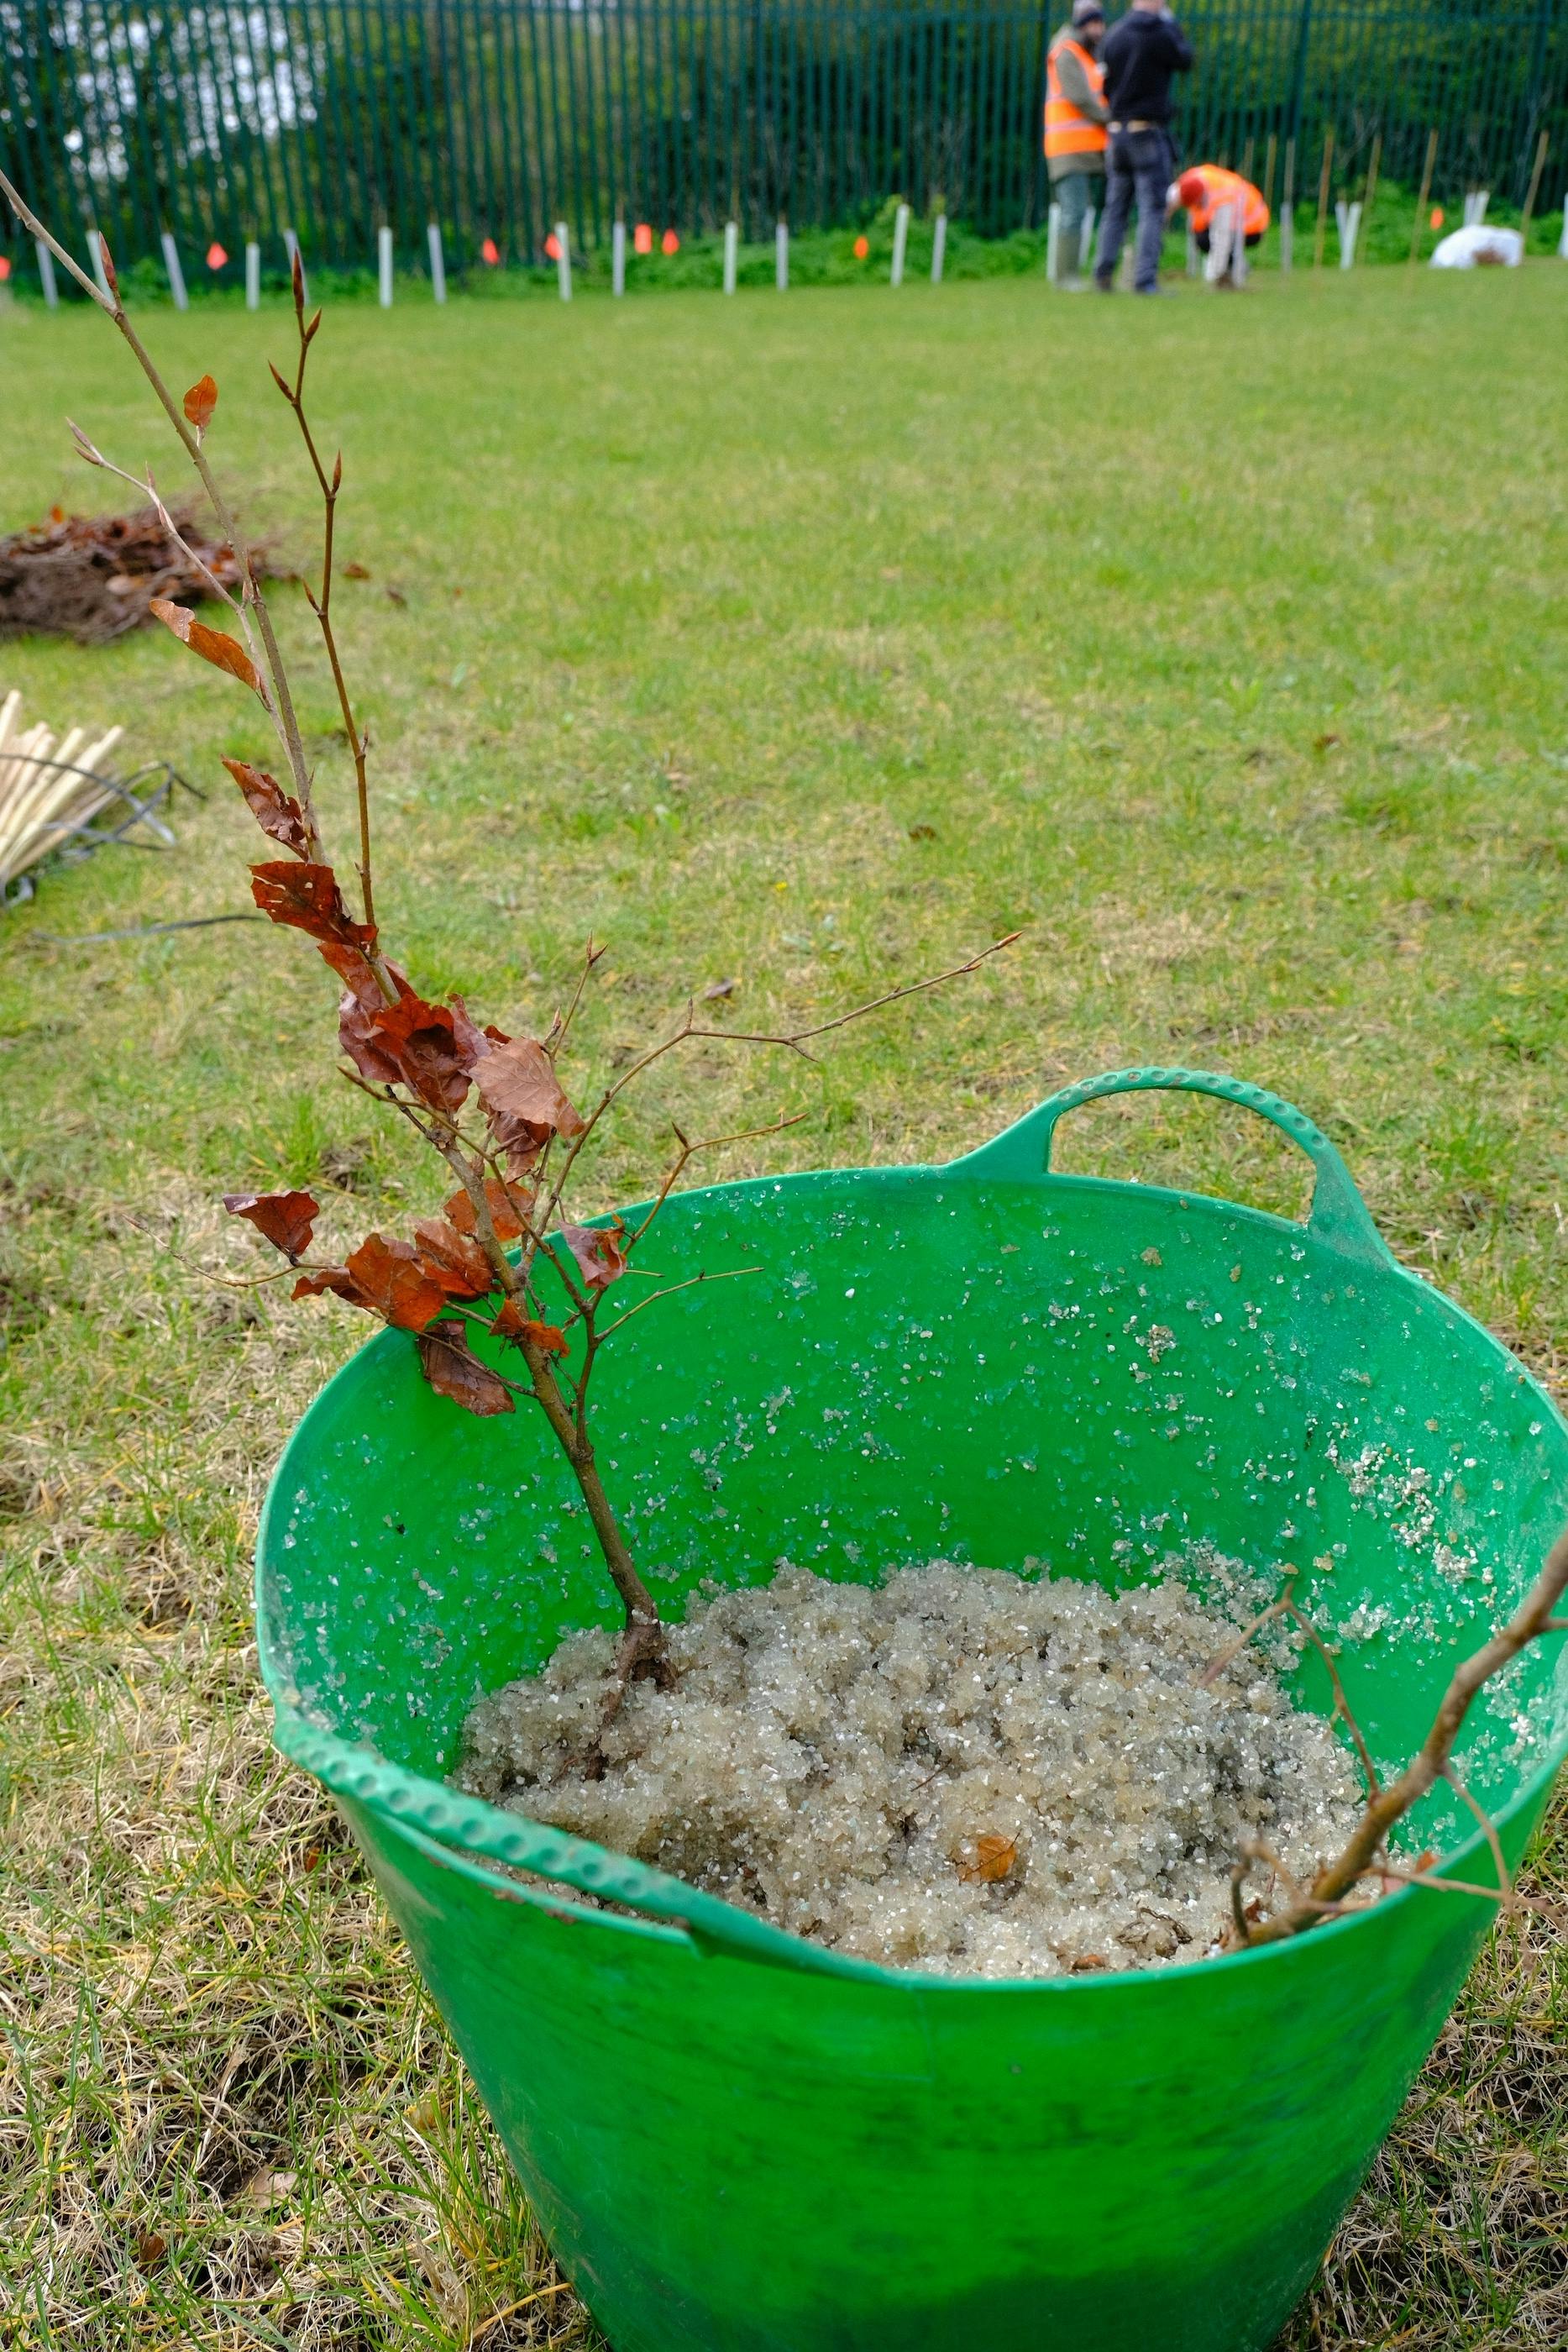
{"x":954,"y":1770}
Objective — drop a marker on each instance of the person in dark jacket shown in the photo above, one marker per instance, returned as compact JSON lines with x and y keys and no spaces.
{"x":1142,"y":54}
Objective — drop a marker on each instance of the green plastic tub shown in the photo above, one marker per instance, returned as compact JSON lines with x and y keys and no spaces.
{"x":735,"y":2139}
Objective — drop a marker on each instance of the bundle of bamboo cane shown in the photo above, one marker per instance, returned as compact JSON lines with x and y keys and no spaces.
{"x":46,"y":790}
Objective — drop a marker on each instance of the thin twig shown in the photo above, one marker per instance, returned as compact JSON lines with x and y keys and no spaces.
{"x":1359,"y":1856}
{"x":1489,"y":1830}
{"x":322,"y":606}
{"x":1441,"y":1884}
{"x":1341,"y":1704}
{"x":1216,"y":1666}
{"x":726,"y":1274}
{"x":562,"y":1024}
{"x":688,"y":1152}
{"x":794,"y":1039}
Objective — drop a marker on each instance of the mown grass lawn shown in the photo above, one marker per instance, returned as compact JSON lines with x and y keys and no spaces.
{"x":810,"y":643}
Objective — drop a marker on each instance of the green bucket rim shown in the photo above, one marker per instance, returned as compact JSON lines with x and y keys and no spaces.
{"x":425,"y":1809}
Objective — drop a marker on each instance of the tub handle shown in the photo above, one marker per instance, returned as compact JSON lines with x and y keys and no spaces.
{"x":437,"y":1817}
{"x":1338,"y":1215}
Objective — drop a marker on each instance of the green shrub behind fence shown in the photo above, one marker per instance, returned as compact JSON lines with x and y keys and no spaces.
{"x":236,"y":120}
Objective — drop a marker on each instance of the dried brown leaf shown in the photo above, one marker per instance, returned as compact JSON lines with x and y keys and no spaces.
{"x":511,"y":1205}
{"x":994,"y":1858}
{"x":453,"y":1259}
{"x":511,"y":1323}
{"x":519,"y":1087}
{"x":287,"y":1219}
{"x":453,"y":1371}
{"x":600,"y":1260}
{"x":199,"y":405}
{"x":225,"y":653}
{"x":385,"y":1278}
{"x":306,"y":897}
{"x":422,"y":1040}
{"x":275,"y":810}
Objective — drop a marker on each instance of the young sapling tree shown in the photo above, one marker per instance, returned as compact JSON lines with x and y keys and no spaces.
{"x":505,"y":1250}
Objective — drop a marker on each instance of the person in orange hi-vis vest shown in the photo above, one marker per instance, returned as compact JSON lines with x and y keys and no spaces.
{"x":1207,"y":190}
{"x":1075,"y":135}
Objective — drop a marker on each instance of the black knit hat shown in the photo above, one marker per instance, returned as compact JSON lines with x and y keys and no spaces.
{"x":1088,"y":12}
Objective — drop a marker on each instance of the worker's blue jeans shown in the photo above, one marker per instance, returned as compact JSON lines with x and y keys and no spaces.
{"x":1137,"y":162}
{"x":1076,"y":192}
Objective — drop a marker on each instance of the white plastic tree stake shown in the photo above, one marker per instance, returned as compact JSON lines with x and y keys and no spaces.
{"x":781,"y":256}
{"x":1086,"y":239}
{"x":1349,"y":229}
{"x":1192,"y":252}
{"x":1239,"y":242}
{"x":176,"y":274}
{"x":95,"y":255}
{"x":938,"y":248}
{"x":385,"y":266}
{"x":46,"y":273}
{"x":251,"y":275}
{"x":731,"y":254}
{"x":437,"y":261}
{"x":618,"y":257}
{"x":563,"y":260}
{"x":1562,"y":240}
{"x":1052,"y":242}
{"x":900,"y":241}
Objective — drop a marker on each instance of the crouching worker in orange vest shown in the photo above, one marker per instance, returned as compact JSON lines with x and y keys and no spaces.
{"x":1214,"y":198}
{"x":1075,"y":136}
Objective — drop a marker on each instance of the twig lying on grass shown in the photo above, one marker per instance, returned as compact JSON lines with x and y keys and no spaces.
{"x":504,"y":1249}
{"x":142,"y":931}
{"x":1365,"y":1854}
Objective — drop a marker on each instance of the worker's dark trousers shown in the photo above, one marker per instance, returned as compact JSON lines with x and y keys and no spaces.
{"x":1137,"y":162}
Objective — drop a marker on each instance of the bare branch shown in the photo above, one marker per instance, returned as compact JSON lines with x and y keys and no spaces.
{"x":688,"y":1152}
{"x":292,"y":740}
{"x":561,"y":1025}
{"x":1216,"y":1666}
{"x":321,"y":606}
{"x":1489,"y":1830}
{"x":797,"y":1038}
{"x":1431,"y":1763}
{"x":1342,"y":1705}
{"x":792,"y":1039}
{"x":35,"y":227}
{"x":726,"y":1274}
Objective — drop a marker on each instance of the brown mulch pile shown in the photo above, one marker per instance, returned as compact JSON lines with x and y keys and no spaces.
{"x":92,"y":577}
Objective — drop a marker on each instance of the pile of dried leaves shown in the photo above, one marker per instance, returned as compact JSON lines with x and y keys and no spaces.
{"x":93,"y":577}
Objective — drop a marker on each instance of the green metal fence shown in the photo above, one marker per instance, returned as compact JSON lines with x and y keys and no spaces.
{"x":230,"y":119}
